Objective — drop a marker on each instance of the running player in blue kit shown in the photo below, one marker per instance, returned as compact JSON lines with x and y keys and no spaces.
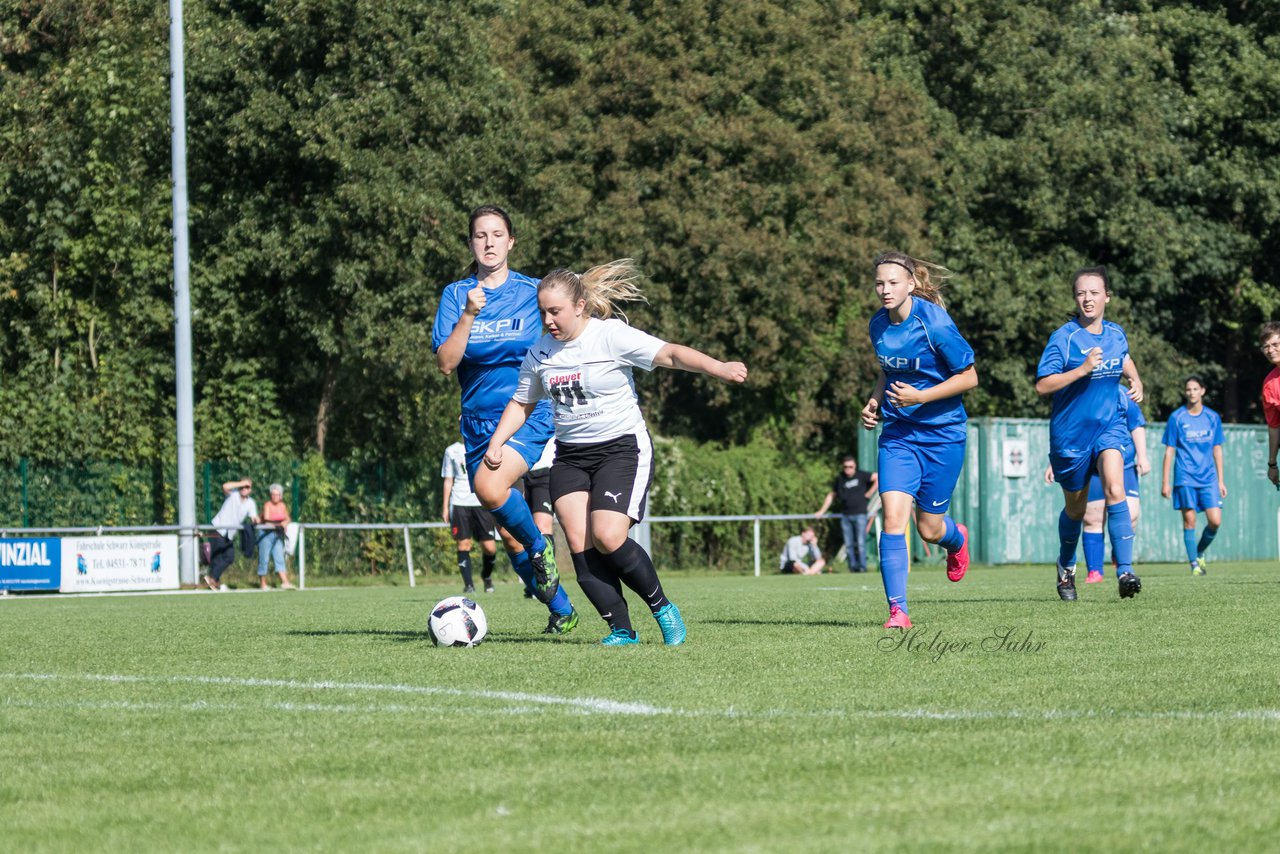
{"x":1081,"y":367}
{"x":1136,"y":464}
{"x":484,"y":327}
{"x":1194,"y":437}
{"x":925,"y":365}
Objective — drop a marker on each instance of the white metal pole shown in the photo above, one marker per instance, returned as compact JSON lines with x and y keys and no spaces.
{"x":302,"y":557}
{"x":408,"y":555}
{"x":182,"y":305}
{"x":755,"y":539}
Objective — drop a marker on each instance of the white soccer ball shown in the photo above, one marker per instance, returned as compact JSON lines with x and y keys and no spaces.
{"x":457,"y":621}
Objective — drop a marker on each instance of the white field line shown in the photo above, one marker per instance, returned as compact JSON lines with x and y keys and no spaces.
{"x":523,"y":703}
{"x":585,"y":705}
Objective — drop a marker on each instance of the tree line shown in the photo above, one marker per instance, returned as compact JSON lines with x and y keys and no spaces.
{"x":751,"y":156}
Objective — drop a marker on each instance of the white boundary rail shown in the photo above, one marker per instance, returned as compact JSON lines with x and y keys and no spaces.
{"x":641,"y":532}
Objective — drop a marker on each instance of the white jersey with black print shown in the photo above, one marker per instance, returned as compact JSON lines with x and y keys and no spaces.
{"x":455,"y":466}
{"x":588,"y":379}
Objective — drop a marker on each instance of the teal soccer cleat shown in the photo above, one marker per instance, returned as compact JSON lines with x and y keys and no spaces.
{"x":673,"y":630}
{"x":620,"y":637}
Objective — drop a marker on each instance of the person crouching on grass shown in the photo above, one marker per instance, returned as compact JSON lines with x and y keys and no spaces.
{"x":604,"y":457}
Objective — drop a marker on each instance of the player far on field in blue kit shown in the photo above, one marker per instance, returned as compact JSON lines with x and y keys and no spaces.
{"x":1193,"y":454}
{"x":483,"y":328}
{"x":1136,"y":464}
{"x":925,"y":366}
{"x":1081,"y":369}
{"x":604,"y":457}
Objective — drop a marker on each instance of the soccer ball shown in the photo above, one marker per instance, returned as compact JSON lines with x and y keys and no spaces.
{"x":457,"y":621}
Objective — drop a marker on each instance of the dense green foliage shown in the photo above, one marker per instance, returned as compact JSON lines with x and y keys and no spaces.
{"x":751,"y":157}
{"x":789,"y":721}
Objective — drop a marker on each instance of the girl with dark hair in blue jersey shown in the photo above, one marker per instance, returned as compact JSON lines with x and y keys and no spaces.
{"x":1081,"y":367}
{"x":484,"y":326}
{"x":925,"y":365}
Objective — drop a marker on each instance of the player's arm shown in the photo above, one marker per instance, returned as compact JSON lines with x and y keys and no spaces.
{"x":448,"y":496}
{"x":871,"y":412}
{"x":449,"y":355}
{"x":513,"y":418}
{"x":907,"y":395}
{"x":1052,"y":383}
{"x":1130,"y":371}
{"x":1217,"y":464}
{"x":1167,"y":472}
{"x":826,"y":504}
{"x":688,"y":359}
{"x":1140,"y":450}
{"x":1273,"y":445}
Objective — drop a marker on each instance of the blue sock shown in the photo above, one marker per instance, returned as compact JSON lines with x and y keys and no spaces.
{"x":520,"y":563}
{"x":516,"y":518}
{"x":1068,"y":537}
{"x":1189,"y":540}
{"x":1206,"y":539}
{"x":952,"y":540}
{"x":893,"y":568}
{"x":1120,"y":527}
{"x":1095,"y":550}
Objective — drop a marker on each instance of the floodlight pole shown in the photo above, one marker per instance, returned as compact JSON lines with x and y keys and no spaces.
{"x":182,"y":305}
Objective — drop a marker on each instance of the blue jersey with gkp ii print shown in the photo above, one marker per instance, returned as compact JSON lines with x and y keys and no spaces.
{"x":922,"y":351}
{"x":502,"y":334}
{"x":1088,"y":407}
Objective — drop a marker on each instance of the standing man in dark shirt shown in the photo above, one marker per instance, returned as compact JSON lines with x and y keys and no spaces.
{"x":853,"y":488}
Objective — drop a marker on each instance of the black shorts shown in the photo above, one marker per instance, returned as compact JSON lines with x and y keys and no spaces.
{"x":471,"y":523}
{"x":616,"y":473}
{"x":537,"y":491}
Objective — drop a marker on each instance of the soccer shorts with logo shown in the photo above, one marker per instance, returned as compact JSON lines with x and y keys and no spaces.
{"x":926,"y":471}
{"x":529,"y":440}
{"x":616,"y":473}
{"x":471,"y":523}
{"x":537,"y":490}
{"x":1197,"y":498}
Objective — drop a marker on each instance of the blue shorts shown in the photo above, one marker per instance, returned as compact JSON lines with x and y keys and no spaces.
{"x":1072,"y":473}
{"x":928,"y":472}
{"x":1197,"y":498}
{"x":529,"y":440}
{"x":1131,"y":488}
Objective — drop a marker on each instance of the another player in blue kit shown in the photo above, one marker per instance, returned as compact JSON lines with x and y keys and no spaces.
{"x":484,"y":327}
{"x":925,"y":365}
{"x":1194,"y":436}
{"x":1136,"y":465}
{"x":1081,"y":368}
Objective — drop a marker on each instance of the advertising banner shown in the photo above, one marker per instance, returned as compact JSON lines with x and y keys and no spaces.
{"x":30,"y":564}
{"x":104,"y":564}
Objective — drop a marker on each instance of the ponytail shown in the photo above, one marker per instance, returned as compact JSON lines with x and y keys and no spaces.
{"x":602,"y":288}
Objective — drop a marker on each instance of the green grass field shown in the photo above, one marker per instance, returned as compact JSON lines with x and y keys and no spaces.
{"x":324,"y":720}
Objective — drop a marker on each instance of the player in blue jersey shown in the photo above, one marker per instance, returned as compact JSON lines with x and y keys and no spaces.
{"x":484,"y":327}
{"x":925,"y":365}
{"x":1194,"y":437}
{"x":1081,"y":368}
{"x":1136,"y":464}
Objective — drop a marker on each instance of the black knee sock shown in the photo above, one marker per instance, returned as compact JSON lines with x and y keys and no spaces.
{"x":634,"y":566}
{"x":603,"y":590}
{"x":464,"y":564}
{"x":486,"y":568}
